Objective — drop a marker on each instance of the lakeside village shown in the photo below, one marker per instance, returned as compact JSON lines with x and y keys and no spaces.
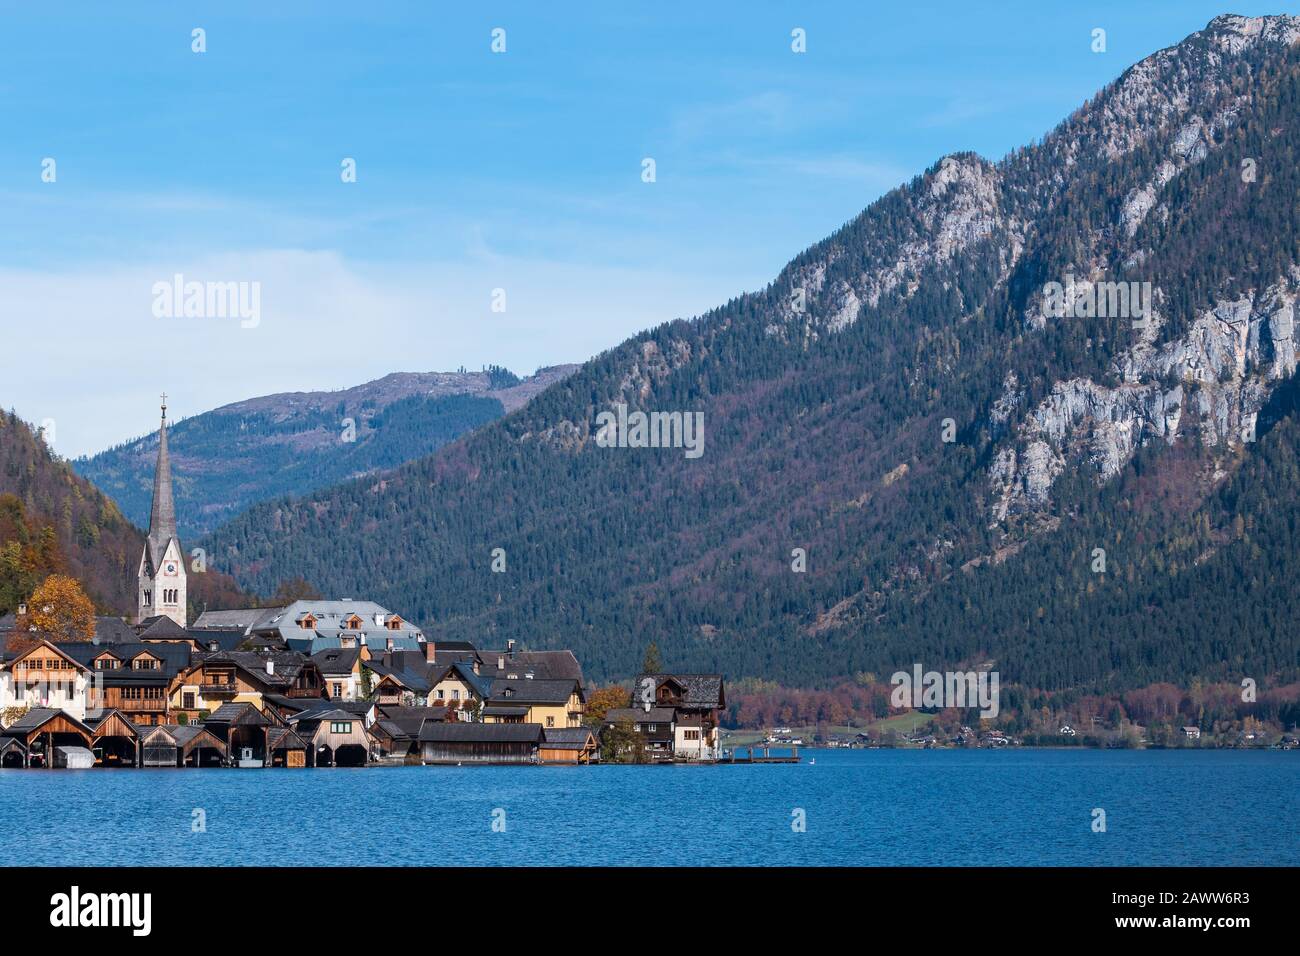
{"x":327,"y":683}
{"x":315,"y":683}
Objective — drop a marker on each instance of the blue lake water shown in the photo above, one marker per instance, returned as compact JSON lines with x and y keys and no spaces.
{"x":862,"y":807}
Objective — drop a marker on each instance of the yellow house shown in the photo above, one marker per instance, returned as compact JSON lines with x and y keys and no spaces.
{"x":551,"y":703}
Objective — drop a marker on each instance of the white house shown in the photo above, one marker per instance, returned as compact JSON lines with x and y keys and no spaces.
{"x":44,"y":676}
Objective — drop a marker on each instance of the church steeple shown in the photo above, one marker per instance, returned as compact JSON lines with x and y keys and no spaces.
{"x":162,"y":516}
{"x":161,"y":579}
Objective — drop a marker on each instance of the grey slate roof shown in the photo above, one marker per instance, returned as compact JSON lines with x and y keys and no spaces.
{"x":162,"y":628}
{"x":242,"y":619}
{"x":114,"y":630}
{"x":524,"y":691}
{"x":543,"y":665}
{"x":702,"y":690}
{"x":337,"y":661}
{"x":243,"y":714}
{"x":173,"y":657}
{"x":568,"y":738}
{"x":466,"y":732}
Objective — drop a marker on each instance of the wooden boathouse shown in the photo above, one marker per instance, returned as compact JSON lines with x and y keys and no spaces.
{"x":454,"y":743}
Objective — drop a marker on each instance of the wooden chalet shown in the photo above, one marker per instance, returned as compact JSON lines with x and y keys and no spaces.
{"x":248,"y":676}
{"x":132,"y":678}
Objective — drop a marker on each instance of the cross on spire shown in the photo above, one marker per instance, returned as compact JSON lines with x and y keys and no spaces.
{"x":164,"y":404}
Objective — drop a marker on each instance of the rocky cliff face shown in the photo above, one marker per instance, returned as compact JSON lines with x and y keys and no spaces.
{"x":1212,"y":382}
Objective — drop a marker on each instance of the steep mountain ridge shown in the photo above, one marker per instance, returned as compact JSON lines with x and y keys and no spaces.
{"x":900,"y":404}
{"x":295,"y":442}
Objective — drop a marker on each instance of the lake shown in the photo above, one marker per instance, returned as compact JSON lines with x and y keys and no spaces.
{"x":861,"y":807}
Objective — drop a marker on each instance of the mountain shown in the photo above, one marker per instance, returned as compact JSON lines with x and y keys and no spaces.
{"x":989,"y":449}
{"x":52,"y":521}
{"x":296,"y":442}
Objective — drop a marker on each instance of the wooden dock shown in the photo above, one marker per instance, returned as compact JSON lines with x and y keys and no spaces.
{"x":734,"y":757}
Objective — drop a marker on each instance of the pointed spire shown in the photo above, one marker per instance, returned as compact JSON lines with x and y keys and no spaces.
{"x":162,"y":517}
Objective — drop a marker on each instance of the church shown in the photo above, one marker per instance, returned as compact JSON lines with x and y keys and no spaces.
{"x":160,"y":589}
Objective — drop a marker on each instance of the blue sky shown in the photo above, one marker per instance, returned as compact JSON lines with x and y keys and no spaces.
{"x":475,"y":171}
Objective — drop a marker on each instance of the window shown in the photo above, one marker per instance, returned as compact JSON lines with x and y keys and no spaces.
{"x":550,"y":721}
{"x":338,"y":690}
{"x":187,"y":700}
{"x":455,"y":695}
{"x":691,"y":735}
{"x":340,"y":726}
{"x":651,"y":728}
{"x":440,"y":693}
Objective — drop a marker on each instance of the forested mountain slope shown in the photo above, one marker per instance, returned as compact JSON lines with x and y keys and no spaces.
{"x":54,"y":522}
{"x":235,"y":456}
{"x":1093,"y":499}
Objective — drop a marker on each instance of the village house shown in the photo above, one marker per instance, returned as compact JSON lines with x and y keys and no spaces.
{"x":262,"y":679}
{"x":133,"y":678}
{"x":45,"y":676}
{"x":529,"y":700}
{"x":656,"y":727}
{"x":697,"y":702}
{"x":340,"y":669}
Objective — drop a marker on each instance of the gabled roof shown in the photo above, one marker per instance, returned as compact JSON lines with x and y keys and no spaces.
{"x":524,"y":691}
{"x":543,"y":665}
{"x":113,"y":630}
{"x":318,"y":717}
{"x":282,"y":738}
{"x":226,"y":638}
{"x":702,"y":690}
{"x":338,"y":660}
{"x":162,"y":628}
{"x":60,"y":648}
{"x":287,"y":665}
{"x":467,"y":732}
{"x":38,"y":717}
{"x":241,"y":619}
{"x":242,"y":714}
{"x":415,"y":678}
{"x":569,"y":738}
{"x":172,"y":658}
{"x":464,"y":672}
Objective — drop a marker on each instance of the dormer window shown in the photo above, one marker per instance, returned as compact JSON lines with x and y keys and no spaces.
{"x":352,"y":622}
{"x":394,"y":623}
{"x":307,"y":622}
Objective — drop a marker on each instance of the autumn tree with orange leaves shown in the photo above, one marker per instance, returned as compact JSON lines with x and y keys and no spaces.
{"x":604,"y":699}
{"x":59,"y":610}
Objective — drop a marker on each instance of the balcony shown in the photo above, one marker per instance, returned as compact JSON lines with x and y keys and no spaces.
{"x":216,"y":689}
